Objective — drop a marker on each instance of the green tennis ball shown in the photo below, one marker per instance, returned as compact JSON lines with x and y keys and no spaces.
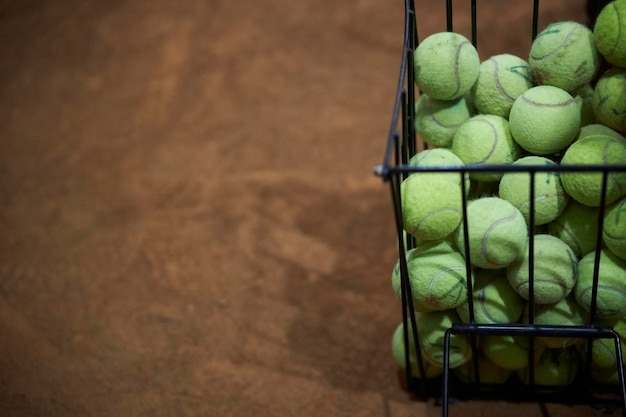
{"x":586,"y":187}
{"x":564,"y":312}
{"x":437,"y":276}
{"x":494,"y":301}
{"x":564,"y":55}
{"x":436,"y":121}
{"x":611,"y":297}
{"x":603,"y":354}
{"x":609,"y":105}
{"x":501,"y":79}
{"x":577,"y":226}
{"x":497,"y":232}
{"x":446,"y":65}
{"x":554,"y":272}
{"x":549,"y":196}
{"x":610,"y":33}
{"x":431,"y":206}
{"x":604,"y":376}
{"x":398,"y":347}
{"x":584,"y":98}
{"x":441,"y":157}
{"x":485,"y":139}
{"x":598,"y":129}
{"x":510,"y":352}
{"x":614,"y":230}
{"x":432,"y":327}
{"x":488,"y":372}
{"x":544,"y":120}
{"x":555,"y":368}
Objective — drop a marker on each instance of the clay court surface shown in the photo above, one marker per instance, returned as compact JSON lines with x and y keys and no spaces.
{"x":190,"y":223}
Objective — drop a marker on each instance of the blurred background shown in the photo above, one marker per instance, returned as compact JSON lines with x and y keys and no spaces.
{"x":190,"y":223}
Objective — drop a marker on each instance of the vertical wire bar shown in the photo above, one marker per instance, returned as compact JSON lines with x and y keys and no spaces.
{"x":446,"y":371}
{"x":620,"y":370}
{"x":449,"y":27}
{"x":474,"y":26}
{"x":535,"y":19}
{"x":531,"y":277}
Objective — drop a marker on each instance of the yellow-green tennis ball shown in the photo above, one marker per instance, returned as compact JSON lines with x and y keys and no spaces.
{"x":494,"y":300}
{"x":550,"y":196}
{"x":611,"y":297}
{"x":584,"y":99}
{"x":485,"y":139}
{"x":577,"y":226}
{"x":564,"y":55}
{"x":398,"y":347}
{"x":555,"y":368}
{"x":603,"y":354}
{"x":501,"y":79}
{"x":598,"y":129}
{"x":442,"y":157}
{"x":488,"y":372}
{"x":586,"y":187}
{"x":446,"y":65}
{"x":431,"y":206}
{"x":432,"y":327}
{"x":614,"y":230}
{"x":497,"y":232}
{"x":609,"y":104}
{"x":554,"y":272}
{"x":510,"y":352}
{"x":610,"y":33}
{"x":437,"y":276}
{"x":544,"y":120}
{"x":436,"y":121}
{"x":565,"y":312}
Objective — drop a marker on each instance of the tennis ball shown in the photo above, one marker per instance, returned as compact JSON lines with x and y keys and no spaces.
{"x":564,"y":55}
{"x":437,"y":276}
{"x":501,"y":79}
{"x":431,"y":205}
{"x":611,"y":297}
{"x":577,"y":226}
{"x":485,"y":139}
{"x":550,"y":196}
{"x":609,"y":105}
{"x":488,"y":372}
{"x":614,"y":230}
{"x":564,"y":312}
{"x":436,"y":121}
{"x":584,"y":98}
{"x":441,"y":157}
{"x":604,"y":376}
{"x":598,"y":129}
{"x":510,"y":352}
{"x":610,"y":33}
{"x":432,"y":327}
{"x":494,"y":300}
{"x":586,"y":187}
{"x":555,"y":368}
{"x":446,"y":65}
{"x":398,"y":347}
{"x":497,"y":232}
{"x":544,"y":120}
{"x":554,"y":272}
{"x":603,"y":354}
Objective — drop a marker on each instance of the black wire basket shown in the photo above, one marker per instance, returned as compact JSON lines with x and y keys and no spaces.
{"x":402,"y":144}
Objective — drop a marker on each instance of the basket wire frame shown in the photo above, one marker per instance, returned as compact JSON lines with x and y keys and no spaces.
{"x":401,"y":145}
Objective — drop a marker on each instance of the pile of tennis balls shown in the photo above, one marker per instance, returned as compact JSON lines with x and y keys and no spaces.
{"x":564,"y":104}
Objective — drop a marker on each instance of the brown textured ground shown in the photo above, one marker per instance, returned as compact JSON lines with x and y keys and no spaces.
{"x":190,"y":224}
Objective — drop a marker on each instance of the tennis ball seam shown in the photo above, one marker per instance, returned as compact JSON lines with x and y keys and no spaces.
{"x":605,"y":152}
{"x":619,"y":26}
{"x":562,"y":45}
{"x":496,"y":139}
{"x":434,"y":213}
{"x":484,"y":243}
{"x":431,"y":115}
{"x":609,"y":288}
{"x":435,"y":299}
{"x":483,"y":308}
{"x":544,"y":197}
{"x":543,"y":282}
{"x":457,"y":58}
{"x":548,"y":105}
{"x":496,"y":75}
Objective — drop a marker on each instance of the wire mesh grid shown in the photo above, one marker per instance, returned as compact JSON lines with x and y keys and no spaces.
{"x":402,"y":144}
